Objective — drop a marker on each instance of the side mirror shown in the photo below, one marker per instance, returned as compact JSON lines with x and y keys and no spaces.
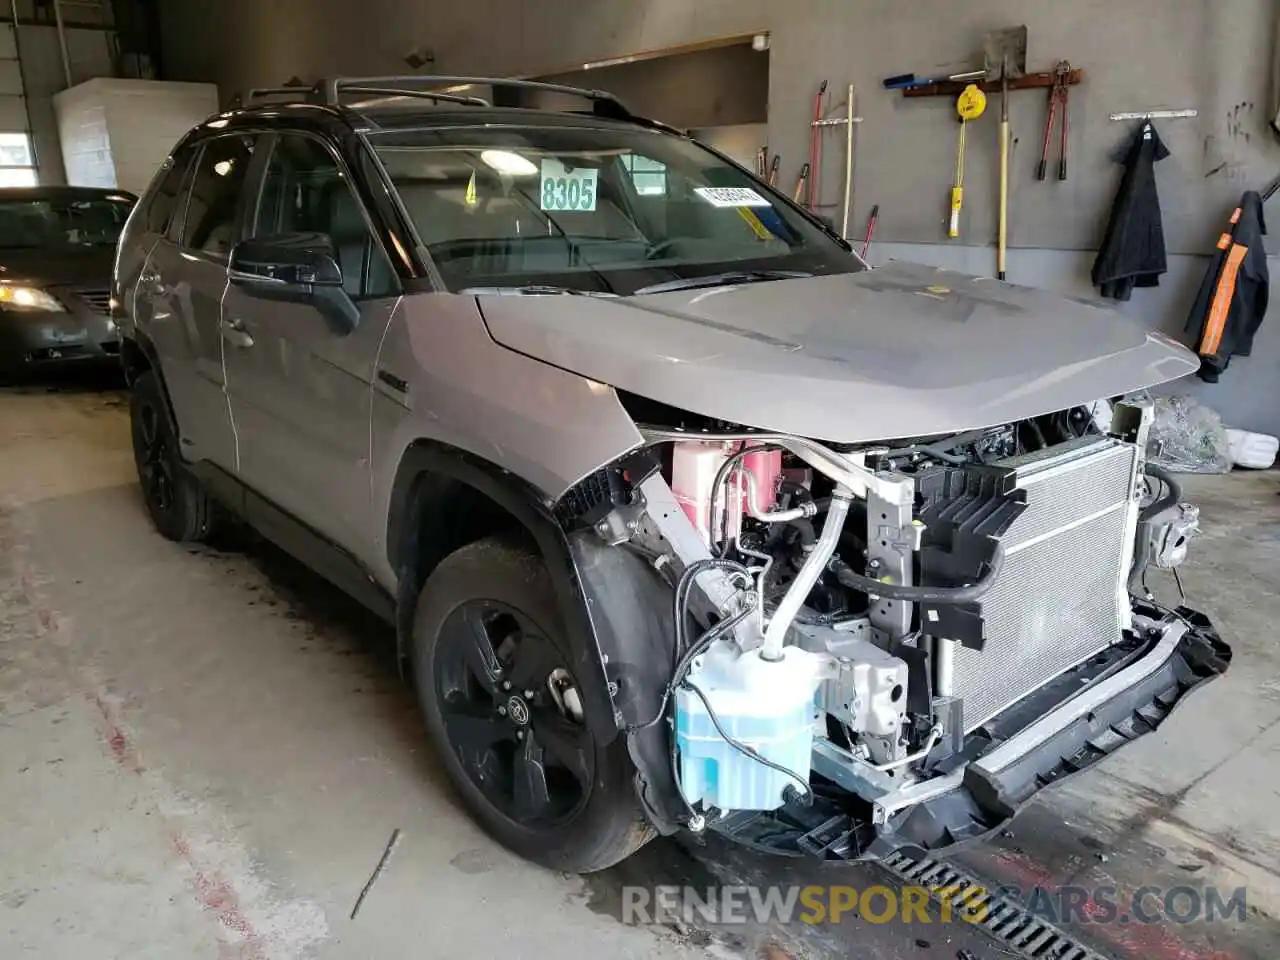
{"x":294,"y":268}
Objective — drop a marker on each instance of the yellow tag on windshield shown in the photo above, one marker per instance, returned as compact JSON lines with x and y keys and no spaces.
{"x":471,"y":199}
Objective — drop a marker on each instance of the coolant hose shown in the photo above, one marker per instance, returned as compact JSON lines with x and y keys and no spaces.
{"x":899,"y":591}
{"x":1173,"y":491}
{"x":809,"y":573}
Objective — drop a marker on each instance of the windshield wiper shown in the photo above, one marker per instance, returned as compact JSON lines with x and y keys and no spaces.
{"x":723,"y":280}
{"x":534,"y":290}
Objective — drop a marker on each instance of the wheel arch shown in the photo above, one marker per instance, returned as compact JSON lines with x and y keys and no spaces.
{"x":138,"y":355}
{"x":443,"y":498}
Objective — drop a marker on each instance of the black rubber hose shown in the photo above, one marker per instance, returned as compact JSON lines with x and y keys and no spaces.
{"x":939,"y":449}
{"x":805,"y":528}
{"x":1172,"y":494}
{"x":686,"y":581}
{"x":897,"y":591}
{"x":795,"y":490}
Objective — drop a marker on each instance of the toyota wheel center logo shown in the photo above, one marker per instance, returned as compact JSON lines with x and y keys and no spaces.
{"x":518,"y":711}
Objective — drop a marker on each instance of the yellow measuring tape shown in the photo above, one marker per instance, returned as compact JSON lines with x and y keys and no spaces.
{"x":970,"y":106}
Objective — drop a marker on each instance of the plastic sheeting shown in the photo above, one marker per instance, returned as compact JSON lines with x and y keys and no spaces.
{"x":1188,"y":437}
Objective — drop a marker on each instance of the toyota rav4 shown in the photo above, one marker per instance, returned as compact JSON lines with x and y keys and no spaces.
{"x":685,"y":517}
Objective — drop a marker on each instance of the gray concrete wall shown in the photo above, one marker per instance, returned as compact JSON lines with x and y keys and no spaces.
{"x":1210,"y":55}
{"x":727,"y":86}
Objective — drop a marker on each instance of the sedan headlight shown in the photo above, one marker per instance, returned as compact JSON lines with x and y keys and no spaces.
{"x":13,"y":297}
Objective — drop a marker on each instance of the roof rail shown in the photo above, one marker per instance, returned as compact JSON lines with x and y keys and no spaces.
{"x":330,"y":90}
{"x":257,"y":95}
{"x":418,"y":94}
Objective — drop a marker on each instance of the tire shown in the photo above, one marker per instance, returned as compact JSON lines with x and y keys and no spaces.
{"x":503,"y":594}
{"x":179,"y":509}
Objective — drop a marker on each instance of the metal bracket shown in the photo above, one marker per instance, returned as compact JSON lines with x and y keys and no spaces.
{"x":1157,"y":115}
{"x":621,"y":523}
{"x":1131,"y":422}
{"x":892,"y":539}
{"x":842,"y":767}
{"x":682,"y":538}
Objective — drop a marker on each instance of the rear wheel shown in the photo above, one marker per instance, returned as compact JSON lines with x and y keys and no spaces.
{"x":180,"y":510}
{"x":503,"y":708}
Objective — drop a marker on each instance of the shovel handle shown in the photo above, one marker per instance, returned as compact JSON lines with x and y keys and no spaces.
{"x":1002,"y":249}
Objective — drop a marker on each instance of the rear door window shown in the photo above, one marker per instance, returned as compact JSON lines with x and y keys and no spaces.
{"x":211,"y":224}
{"x":162,"y":202}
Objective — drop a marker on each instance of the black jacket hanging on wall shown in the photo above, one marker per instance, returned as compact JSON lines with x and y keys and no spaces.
{"x":1132,"y":253}
{"x":1233,"y":297}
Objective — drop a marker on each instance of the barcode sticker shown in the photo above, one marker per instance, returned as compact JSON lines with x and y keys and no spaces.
{"x":731,"y":197}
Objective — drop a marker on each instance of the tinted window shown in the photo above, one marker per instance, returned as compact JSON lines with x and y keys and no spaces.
{"x":163,"y":199}
{"x":218,"y":185}
{"x":305,"y":191}
{"x":69,"y":221}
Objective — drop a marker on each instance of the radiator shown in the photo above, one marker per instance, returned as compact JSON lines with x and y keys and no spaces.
{"x":1059,"y":599}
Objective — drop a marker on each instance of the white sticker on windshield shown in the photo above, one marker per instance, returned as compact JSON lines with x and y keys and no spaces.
{"x":565,"y":189}
{"x":731,"y":197}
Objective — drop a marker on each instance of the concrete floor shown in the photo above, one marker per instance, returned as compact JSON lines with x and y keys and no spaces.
{"x":203,"y":753}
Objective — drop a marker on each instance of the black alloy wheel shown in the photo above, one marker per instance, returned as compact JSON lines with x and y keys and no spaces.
{"x":155,"y":469}
{"x":507,"y":716}
{"x":179,"y":509}
{"x":502,"y":690}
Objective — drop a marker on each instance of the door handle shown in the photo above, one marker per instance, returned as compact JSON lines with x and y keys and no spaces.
{"x":151,"y":283}
{"x":234,"y":333}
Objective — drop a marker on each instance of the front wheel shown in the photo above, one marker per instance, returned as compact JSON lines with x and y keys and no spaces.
{"x":503,"y":708}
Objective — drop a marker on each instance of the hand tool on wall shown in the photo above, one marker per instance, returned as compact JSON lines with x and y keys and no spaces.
{"x":1029,"y":81}
{"x":871,"y":229}
{"x":815,"y":146}
{"x":801,"y":182}
{"x":773,"y":170}
{"x":905,"y":80}
{"x":1059,"y":95}
{"x":970,"y":105}
{"x":850,"y":120}
{"x":839,"y":115}
{"x":1005,"y":53}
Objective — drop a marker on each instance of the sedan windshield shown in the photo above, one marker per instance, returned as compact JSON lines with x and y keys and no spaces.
{"x":595,"y":209}
{"x":72,"y":222}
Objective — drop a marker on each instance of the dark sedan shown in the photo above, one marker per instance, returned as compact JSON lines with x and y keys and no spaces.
{"x":57,"y":245}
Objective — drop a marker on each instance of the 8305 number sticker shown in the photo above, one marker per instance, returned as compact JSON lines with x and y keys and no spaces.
{"x":564,"y":189}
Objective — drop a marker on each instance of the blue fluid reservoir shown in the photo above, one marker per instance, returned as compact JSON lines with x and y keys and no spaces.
{"x":768,"y":706}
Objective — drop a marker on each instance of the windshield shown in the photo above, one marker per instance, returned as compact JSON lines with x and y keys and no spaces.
{"x":72,"y":222}
{"x":593,"y":209}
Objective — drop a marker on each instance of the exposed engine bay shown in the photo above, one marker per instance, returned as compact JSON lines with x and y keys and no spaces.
{"x":870,"y":642}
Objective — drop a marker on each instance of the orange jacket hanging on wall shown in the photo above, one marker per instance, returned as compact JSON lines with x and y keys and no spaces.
{"x":1233,"y":297}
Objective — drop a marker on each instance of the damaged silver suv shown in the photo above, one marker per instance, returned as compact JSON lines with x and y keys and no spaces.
{"x":685,"y":517}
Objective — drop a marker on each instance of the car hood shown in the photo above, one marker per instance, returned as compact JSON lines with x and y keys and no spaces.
{"x":61,"y":266}
{"x":900,"y":351}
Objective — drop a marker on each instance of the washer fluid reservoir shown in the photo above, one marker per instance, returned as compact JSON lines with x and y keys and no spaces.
{"x":768,"y":706}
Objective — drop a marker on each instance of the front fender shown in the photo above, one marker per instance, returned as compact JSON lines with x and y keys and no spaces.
{"x":423,"y":470}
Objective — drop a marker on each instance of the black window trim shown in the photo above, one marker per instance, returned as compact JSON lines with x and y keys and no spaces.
{"x":326,"y":144}
{"x":178,"y":226}
{"x":432,"y":281}
{"x":147,"y":201}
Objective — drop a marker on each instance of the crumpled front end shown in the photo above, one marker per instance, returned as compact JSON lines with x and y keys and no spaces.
{"x":898,"y":645}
